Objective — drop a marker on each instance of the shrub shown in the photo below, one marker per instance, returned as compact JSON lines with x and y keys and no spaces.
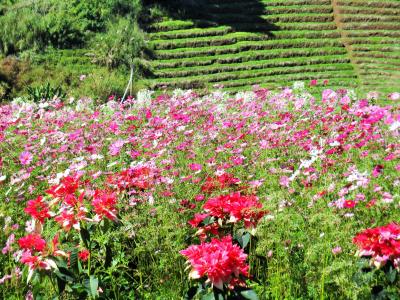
{"x":58,"y":23}
{"x":122,"y":45}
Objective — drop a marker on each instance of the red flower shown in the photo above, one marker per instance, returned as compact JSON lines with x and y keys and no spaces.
{"x":198,"y":218}
{"x":220,"y":260}
{"x":38,"y":209}
{"x":220,"y":182}
{"x":140,"y":178}
{"x":33,"y":242}
{"x":236,"y":207}
{"x":68,"y":186}
{"x":380,"y":243}
{"x":104,"y":204}
{"x":84,"y":255}
{"x":349,"y":204}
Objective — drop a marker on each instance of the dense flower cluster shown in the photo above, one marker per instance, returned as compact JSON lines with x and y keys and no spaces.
{"x":235,"y":207}
{"x":382,"y":244}
{"x":220,"y":260}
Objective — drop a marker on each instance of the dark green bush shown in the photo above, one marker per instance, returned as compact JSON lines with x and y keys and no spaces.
{"x":58,"y":23}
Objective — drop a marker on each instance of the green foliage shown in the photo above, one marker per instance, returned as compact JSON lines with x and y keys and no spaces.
{"x":45,"y":93}
{"x":122,"y":45}
{"x":60,"y":24}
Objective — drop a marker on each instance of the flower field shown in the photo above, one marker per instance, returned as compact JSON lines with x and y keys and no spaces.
{"x":259,"y":195}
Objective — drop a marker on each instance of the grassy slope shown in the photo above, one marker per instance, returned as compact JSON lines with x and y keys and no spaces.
{"x":347,"y":42}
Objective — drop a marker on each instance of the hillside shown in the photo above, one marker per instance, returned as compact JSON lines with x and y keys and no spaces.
{"x":275,"y":42}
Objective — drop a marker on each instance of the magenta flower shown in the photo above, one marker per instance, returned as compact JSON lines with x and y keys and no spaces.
{"x":25,"y":158}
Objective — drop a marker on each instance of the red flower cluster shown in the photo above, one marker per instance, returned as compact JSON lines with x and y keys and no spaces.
{"x":220,"y":260}
{"x":38,"y":209}
{"x":381,"y":243}
{"x":141,"y":178}
{"x":235,"y":207}
{"x":220,"y":182}
{"x":73,"y":209}
{"x":67,"y":188}
{"x":32,"y":242}
{"x":104,"y":204}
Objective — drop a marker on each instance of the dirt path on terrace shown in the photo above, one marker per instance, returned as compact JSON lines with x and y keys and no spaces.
{"x":344,"y":37}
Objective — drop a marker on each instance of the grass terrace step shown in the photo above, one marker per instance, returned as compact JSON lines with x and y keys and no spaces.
{"x":383,"y":48}
{"x":295,"y":2}
{"x":235,"y":37}
{"x":322,"y":9}
{"x":345,"y":68}
{"x":284,"y":80}
{"x":249,"y":56}
{"x":371,"y":33}
{"x":191,"y":33}
{"x":377,"y":54}
{"x":245,"y":46}
{"x":391,"y":62}
{"x":371,"y":26}
{"x":172,"y":25}
{"x":369,"y":10}
{"x":367,"y":3}
{"x":252,"y":65}
{"x":369,"y":18}
{"x":377,"y":66}
{"x":227,"y":39}
{"x":374,"y":40}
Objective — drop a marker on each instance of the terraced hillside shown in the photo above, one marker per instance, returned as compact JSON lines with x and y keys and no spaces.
{"x":275,"y":42}
{"x":371,"y":32}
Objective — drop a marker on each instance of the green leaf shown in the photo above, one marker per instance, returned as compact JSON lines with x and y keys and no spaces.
{"x":73,"y":259}
{"x":61,"y":285}
{"x":85,"y":235}
{"x":245,"y":240}
{"x":64,"y":274}
{"x":208,"y":296}
{"x":93,"y":284}
{"x":249,"y":295}
{"x":391,"y":275}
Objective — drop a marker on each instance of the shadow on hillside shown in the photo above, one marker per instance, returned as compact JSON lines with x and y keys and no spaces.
{"x":240,"y":15}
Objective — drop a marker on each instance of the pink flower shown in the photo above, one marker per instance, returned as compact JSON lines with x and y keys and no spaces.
{"x":284,"y":181}
{"x":337,"y":250}
{"x":25,"y":158}
{"x":220,"y":260}
{"x":313,"y":82}
{"x":115,"y":147}
{"x":394,"y":96}
{"x":9,"y":242}
{"x":195,"y":167}
{"x":377,"y":170}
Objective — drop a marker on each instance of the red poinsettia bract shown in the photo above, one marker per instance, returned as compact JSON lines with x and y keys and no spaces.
{"x":104,"y":203}
{"x":236,"y":207}
{"x":32,"y":242}
{"x":220,"y":260}
{"x":382,"y":244}
{"x":38,"y":209}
